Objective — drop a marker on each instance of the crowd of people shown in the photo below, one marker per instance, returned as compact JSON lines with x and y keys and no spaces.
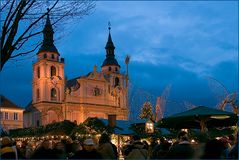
{"x":220,"y":148}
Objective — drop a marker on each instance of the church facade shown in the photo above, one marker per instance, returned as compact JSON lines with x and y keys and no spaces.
{"x":97,"y":94}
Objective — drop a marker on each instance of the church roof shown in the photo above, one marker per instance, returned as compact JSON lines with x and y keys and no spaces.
{"x":30,"y":107}
{"x":123,"y":127}
{"x":109,"y":44}
{"x":109,"y":61}
{"x":72,"y":82}
{"x":6,"y":103}
{"x":48,"y":41}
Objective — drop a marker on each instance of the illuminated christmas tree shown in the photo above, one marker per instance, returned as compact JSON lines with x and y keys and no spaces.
{"x":147,"y":111}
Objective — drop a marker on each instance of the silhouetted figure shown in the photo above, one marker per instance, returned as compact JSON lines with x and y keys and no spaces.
{"x":88,"y":152}
{"x":76,"y":146}
{"x":6,"y":151}
{"x":213,"y":150}
{"x":182,"y":150}
{"x":105,"y":147}
{"x":60,"y":150}
{"x":161,"y":150}
{"x":44,"y":151}
{"x":137,"y":149}
{"x":233,"y":154}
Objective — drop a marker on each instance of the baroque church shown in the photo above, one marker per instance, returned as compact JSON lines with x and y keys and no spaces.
{"x":98,"y":94}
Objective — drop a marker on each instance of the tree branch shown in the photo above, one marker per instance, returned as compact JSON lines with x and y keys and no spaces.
{"x":7,"y":2}
{"x":32,"y":24}
{"x":23,"y":53}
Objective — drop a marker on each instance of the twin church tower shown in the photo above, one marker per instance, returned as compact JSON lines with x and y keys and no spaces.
{"x":97,"y":94}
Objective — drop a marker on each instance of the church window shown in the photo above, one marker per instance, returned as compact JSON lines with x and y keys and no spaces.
{"x":38,"y":72}
{"x":116,"y":81}
{"x":52,"y":56}
{"x":15,"y":116}
{"x":109,"y":68}
{"x":53,"y":71}
{"x":38,"y":123}
{"x":53,"y":94}
{"x":45,"y":56}
{"x":119,"y":101}
{"x":38,"y":94}
{"x":116,"y":69}
{"x":6,"y":115}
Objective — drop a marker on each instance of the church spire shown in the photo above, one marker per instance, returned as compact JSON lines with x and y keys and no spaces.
{"x":110,"y":56}
{"x":48,"y":41}
{"x":109,"y":45}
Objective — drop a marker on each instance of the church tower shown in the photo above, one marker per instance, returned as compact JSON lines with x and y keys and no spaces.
{"x":117,"y":82}
{"x":48,"y":72}
{"x":110,"y":66}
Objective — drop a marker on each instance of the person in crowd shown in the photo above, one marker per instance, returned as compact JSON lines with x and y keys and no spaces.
{"x":136,"y":149}
{"x":232,"y":139}
{"x":126,"y":148}
{"x":60,"y":150}
{"x":227,"y":146}
{"x":213,"y":149}
{"x":29,"y":150}
{"x":146,"y":145}
{"x":76,"y":146}
{"x":105,"y":147}
{"x":160,"y":150}
{"x":233,"y":154}
{"x":7,"y":151}
{"x":68,"y":144}
{"x":44,"y":151}
{"x":182,"y":149}
{"x":114,"y":149}
{"x":153,"y":144}
{"x":88,"y":151}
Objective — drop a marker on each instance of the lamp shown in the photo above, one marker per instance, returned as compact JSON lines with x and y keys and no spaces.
{"x":149,"y":127}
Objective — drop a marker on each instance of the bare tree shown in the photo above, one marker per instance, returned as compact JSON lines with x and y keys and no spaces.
{"x":224,"y":97}
{"x":21,"y":22}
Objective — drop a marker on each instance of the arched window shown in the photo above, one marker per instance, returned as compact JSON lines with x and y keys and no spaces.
{"x":38,"y":123}
{"x":38,"y":72}
{"x":53,"y":94}
{"x":109,"y":68}
{"x":116,"y":69}
{"x":116,"y":81}
{"x":53,"y":71}
{"x":45,"y":56}
{"x":38,"y":94}
{"x":52,"y":56}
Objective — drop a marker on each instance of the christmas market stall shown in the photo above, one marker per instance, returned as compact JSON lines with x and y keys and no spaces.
{"x":200,"y":117}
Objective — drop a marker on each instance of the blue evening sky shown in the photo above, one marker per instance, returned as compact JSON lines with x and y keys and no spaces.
{"x":170,"y":42}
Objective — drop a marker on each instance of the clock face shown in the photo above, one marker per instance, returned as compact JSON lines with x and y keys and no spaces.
{"x":54,"y":80}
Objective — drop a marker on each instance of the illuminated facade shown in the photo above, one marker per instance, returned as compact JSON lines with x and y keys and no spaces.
{"x":97,"y":94}
{"x":11,"y":115}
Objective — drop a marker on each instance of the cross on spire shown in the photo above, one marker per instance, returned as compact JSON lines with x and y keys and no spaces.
{"x":109,"y":26}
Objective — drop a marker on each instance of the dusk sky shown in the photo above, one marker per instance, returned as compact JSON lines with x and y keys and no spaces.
{"x":177,"y":43}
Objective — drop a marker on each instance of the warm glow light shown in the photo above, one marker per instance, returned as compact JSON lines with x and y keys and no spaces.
{"x":11,"y":110}
{"x":149,"y":127}
{"x":220,"y":117}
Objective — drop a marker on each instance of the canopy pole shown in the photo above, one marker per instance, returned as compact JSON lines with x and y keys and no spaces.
{"x":203,"y":124}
